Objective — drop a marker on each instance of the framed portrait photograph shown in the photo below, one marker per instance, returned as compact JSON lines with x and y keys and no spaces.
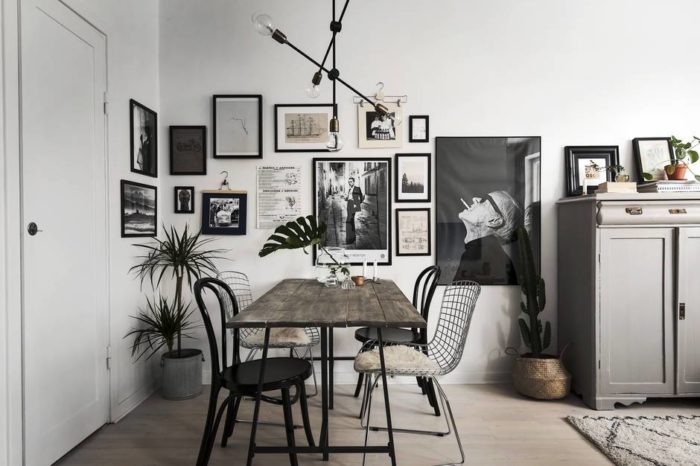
{"x":377,"y":131}
{"x":412,"y":232}
{"x":589,"y":165}
{"x":184,"y":199}
{"x":224,"y":212}
{"x":238,"y":126}
{"x":418,"y":128}
{"x":302,"y":127}
{"x":651,"y":156}
{"x":486,"y":188}
{"x":188,"y":150}
{"x":353,"y":198}
{"x":412,"y":177}
{"x":139,"y":209}
{"x":144,"y":139}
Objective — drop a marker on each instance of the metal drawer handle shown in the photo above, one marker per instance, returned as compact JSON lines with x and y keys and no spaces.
{"x":634,"y":210}
{"x":677,"y":211}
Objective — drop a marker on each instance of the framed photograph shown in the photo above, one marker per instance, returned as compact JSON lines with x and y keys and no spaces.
{"x":238,"y":126}
{"x":144,"y":139}
{"x":412,"y":232}
{"x":353,"y":197}
{"x":412,"y":178}
{"x":589,"y":164}
{"x":302,"y":127}
{"x":184,"y":199}
{"x":377,"y":131}
{"x":486,"y":188}
{"x":652,"y":155}
{"x":224,"y":212}
{"x":188,"y":150}
{"x":418,"y":128}
{"x":139,"y":209}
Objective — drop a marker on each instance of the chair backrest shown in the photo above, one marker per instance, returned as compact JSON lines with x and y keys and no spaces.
{"x":424,"y":289}
{"x":240,"y":285}
{"x":228,"y":307}
{"x":458,"y":302}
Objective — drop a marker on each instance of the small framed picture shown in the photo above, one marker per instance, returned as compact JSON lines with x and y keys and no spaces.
{"x":224,"y":212}
{"x":302,"y":127}
{"x":418,"y":128}
{"x":589,"y":164}
{"x":144,"y":139}
{"x":139,"y":209}
{"x":188,"y":150}
{"x":652,"y":155}
{"x":413,"y":232}
{"x":238,"y":126}
{"x":184,"y":199}
{"x":412,"y":178}
{"x":377,"y":131}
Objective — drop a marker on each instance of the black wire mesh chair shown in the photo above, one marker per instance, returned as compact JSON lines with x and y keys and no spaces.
{"x":437,"y":358}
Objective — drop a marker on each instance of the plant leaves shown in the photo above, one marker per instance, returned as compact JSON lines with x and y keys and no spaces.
{"x":547,"y":339}
{"x":693,"y":156}
{"x":299,"y":234}
{"x":647,"y":176}
{"x":524,"y":332}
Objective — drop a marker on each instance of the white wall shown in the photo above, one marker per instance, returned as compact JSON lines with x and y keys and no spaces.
{"x":575,"y":73}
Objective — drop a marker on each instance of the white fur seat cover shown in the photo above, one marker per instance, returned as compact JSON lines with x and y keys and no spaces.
{"x":398,"y":359}
{"x":286,"y":337}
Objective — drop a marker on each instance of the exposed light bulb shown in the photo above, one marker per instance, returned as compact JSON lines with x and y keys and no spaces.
{"x":396,"y":118}
{"x":313,"y":90}
{"x":335,"y":142}
{"x":263,"y":24}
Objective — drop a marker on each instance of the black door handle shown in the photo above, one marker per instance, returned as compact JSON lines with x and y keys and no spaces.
{"x":33,"y":229}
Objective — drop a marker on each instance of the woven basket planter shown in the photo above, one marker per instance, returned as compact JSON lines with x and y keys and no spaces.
{"x":541,"y":378}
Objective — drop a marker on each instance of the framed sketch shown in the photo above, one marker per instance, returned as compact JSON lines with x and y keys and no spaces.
{"x":652,"y":155}
{"x":188,"y":150}
{"x":413,"y":232}
{"x":238,"y":126}
{"x":302,"y":127}
{"x":184,"y":199}
{"x":139,"y":209}
{"x":224,"y":212}
{"x":486,"y":189}
{"x":589,"y":165}
{"x":353,"y":196}
{"x":144,"y":139}
{"x":379,"y":131}
{"x":412,"y":178}
{"x":418,"y":128}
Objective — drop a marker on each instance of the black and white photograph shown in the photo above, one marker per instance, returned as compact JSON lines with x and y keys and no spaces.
{"x":188,"y":150}
{"x":486,"y":189}
{"x":224,"y":213}
{"x":589,"y":166}
{"x":144,"y":139}
{"x":376,"y":130}
{"x":139,"y":209}
{"x":353,"y":196}
{"x":651,"y":156}
{"x":418,"y":128}
{"x":302,"y":127}
{"x":237,"y":126}
{"x":412,"y":179}
{"x":184,"y":199}
{"x":412,"y":232}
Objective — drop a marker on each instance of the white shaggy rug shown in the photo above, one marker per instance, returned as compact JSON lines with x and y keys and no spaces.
{"x":657,"y":441}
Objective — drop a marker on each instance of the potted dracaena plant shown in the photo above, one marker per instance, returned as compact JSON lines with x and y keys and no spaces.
{"x":165,"y":322}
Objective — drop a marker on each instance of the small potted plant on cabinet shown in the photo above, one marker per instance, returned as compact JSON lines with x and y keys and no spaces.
{"x":685,"y":154}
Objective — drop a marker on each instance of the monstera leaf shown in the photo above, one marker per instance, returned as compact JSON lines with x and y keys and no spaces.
{"x":304,"y":232}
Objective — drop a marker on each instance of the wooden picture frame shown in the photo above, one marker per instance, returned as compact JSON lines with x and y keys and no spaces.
{"x":233,"y":221}
{"x":138,"y":209}
{"x":299,"y":129}
{"x":419,"y":128}
{"x":412,"y":171}
{"x":576,"y":156}
{"x":651,"y":156}
{"x":411,"y":241}
{"x":188,"y":150}
{"x":143,"y":139}
{"x":184,"y":199}
{"x":237,"y":126}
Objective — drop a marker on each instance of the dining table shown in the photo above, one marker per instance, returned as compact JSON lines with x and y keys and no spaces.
{"x":309,"y":303}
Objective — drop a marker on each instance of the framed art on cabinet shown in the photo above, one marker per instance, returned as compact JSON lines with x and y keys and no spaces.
{"x":652,"y":155}
{"x":413,"y":232}
{"x":589,"y":165}
{"x":224,"y":212}
{"x":418,"y":128}
{"x":302,"y":127}
{"x":143,"y":139}
{"x":188,"y":150}
{"x":237,"y":126}
{"x":377,"y":131}
{"x":412,"y":177}
{"x":139,"y":209}
{"x":184,"y":199}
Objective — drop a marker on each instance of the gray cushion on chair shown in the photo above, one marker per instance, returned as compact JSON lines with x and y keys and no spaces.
{"x":398,"y":359}
{"x":286,"y":337}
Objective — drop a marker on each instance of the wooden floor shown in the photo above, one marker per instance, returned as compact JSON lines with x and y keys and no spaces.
{"x":497,"y":427}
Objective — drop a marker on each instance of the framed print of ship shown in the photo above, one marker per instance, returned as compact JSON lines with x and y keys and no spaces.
{"x":302,"y":127}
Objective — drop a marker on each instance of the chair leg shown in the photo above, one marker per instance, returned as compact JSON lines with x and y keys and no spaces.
{"x":358,"y":387}
{"x":212,"y":434}
{"x":421,"y":384}
{"x":432,"y":397}
{"x":443,"y":396}
{"x":289,"y":425}
{"x":203,"y":457}
{"x":303,"y":404}
{"x":230,"y":421}
{"x":370,"y":389}
{"x":365,"y":395}
{"x":308,"y":353}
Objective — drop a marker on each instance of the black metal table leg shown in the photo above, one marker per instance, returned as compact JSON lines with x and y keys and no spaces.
{"x":258,"y":398}
{"x":323,"y":440}
{"x":331,"y":362}
{"x":390,"y":431}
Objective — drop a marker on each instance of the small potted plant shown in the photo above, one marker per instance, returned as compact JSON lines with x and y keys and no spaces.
{"x":684,"y":156}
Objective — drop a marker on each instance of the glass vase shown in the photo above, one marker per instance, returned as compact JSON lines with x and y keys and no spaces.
{"x":332,"y":267}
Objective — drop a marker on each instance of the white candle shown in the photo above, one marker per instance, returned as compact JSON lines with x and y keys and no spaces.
{"x":375,"y":275}
{"x":364,"y":269}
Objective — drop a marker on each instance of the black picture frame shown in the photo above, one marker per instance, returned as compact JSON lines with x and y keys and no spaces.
{"x":411,"y":119}
{"x":241,"y":124}
{"x":312,"y":147}
{"x":642,"y":157}
{"x":398,"y":178}
{"x":573,"y":154}
{"x":210,"y":219}
{"x":397,"y":228}
{"x":188,"y":150}
{"x":180,"y":198}
{"x":138,"y":212}
{"x":144,"y":147}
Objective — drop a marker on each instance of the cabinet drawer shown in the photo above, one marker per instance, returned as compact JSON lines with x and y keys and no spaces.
{"x":648,"y":213}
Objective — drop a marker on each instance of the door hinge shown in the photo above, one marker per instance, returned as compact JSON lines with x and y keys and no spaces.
{"x":109,"y":358}
{"x":105,"y":104}
{"x":598,"y":363}
{"x":681,"y":311}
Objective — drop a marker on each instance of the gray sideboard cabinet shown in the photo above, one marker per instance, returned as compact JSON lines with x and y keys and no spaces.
{"x":629,"y":296}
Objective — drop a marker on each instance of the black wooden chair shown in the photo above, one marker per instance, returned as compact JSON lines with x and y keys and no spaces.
{"x":241,"y":378}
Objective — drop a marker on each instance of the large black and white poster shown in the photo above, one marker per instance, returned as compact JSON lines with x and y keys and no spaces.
{"x":352,"y":197}
{"x":487,"y":187}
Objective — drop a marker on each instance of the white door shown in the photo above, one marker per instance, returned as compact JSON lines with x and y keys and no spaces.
{"x":688,"y":312}
{"x":65,"y":291}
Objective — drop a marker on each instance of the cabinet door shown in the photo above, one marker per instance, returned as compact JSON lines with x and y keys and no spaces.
{"x":636,"y":310}
{"x":688,"y":311}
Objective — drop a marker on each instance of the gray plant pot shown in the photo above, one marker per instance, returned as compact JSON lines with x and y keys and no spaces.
{"x":182,"y":377}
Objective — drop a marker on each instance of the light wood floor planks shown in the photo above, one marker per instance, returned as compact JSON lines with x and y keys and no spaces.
{"x":497,"y":426}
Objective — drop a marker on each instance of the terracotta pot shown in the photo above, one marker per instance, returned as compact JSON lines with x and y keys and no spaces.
{"x":676,"y":171}
{"x":542,"y":378}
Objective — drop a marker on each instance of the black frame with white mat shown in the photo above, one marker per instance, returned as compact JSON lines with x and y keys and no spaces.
{"x":184,"y":199}
{"x":302,"y":138}
{"x":413,"y":128}
{"x":608,"y":155}
{"x":238,"y":119}
{"x":651,"y":156}
{"x":188,"y":150}
{"x":420,"y":240}
{"x":417,"y":173}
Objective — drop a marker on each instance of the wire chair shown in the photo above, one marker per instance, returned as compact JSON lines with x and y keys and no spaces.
{"x":438,"y":357}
